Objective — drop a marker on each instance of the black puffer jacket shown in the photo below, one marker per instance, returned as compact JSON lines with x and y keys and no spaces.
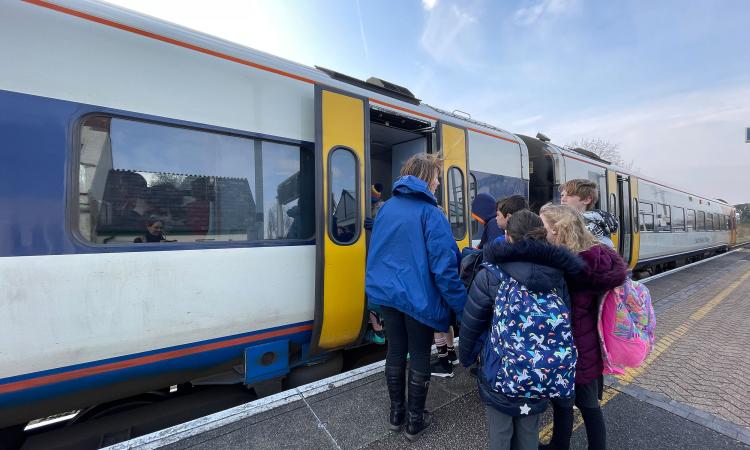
{"x":540,"y":267}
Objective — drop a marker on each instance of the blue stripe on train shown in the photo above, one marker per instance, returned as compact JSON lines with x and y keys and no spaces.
{"x":187,"y":362}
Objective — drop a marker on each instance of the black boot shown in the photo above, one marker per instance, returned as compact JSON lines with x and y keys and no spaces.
{"x":395,"y":378}
{"x":418,"y":419}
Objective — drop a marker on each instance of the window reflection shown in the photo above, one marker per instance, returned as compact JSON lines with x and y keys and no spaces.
{"x":456,"y":203}
{"x":200,"y":186}
{"x":344,"y":203}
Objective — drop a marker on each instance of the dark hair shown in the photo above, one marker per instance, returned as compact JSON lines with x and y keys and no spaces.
{"x":152,"y":220}
{"x":512,"y":204}
{"x":525,"y":224}
{"x":378,"y":187}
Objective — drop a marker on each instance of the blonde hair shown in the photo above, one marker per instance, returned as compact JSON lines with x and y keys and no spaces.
{"x":424,"y":166}
{"x":570,"y":226}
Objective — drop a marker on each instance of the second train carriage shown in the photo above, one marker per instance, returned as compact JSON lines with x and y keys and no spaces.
{"x":260,"y":171}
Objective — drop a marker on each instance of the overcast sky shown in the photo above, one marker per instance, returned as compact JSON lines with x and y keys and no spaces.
{"x":668,"y":81}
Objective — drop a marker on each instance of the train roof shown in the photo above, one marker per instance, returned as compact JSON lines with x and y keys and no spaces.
{"x":378,"y":91}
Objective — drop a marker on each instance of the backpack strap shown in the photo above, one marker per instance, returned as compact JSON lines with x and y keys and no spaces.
{"x":493,"y":269}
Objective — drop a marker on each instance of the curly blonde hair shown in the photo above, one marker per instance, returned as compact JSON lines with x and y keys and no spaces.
{"x":570,"y":227}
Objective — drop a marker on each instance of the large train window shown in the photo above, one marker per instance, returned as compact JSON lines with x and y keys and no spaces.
{"x":701,"y":225}
{"x":343,"y":208}
{"x":456,"y":202}
{"x":678,"y":218}
{"x":709,"y":222}
{"x":690,"y":220}
{"x":646,"y":213}
{"x":142,"y":182}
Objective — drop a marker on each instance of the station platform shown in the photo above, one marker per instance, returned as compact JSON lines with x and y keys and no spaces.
{"x":693,"y":392}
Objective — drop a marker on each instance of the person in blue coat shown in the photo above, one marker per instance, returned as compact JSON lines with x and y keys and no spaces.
{"x":412,"y":274}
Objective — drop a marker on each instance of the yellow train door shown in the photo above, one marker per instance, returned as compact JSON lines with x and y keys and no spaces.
{"x":341,"y":155}
{"x":452,"y":143}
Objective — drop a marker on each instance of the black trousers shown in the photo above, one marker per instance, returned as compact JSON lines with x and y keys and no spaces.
{"x":407,"y":335}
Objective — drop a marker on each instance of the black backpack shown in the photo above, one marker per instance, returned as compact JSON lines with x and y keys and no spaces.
{"x":471,"y":264}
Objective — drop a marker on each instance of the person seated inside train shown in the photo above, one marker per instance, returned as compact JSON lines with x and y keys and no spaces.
{"x":124,"y":204}
{"x":582,"y":195}
{"x":154,"y":232}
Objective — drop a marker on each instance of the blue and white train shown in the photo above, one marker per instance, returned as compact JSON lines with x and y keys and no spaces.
{"x":173,"y":205}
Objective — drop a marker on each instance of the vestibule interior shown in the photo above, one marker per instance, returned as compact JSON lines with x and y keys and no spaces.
{"x":393,"y":139}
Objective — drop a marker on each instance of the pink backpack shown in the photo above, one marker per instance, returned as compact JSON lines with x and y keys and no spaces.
{"x":626,"y":327}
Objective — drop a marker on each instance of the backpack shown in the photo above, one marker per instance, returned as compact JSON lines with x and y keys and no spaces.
{"x":626,"y":327}
{"x":532,"y":337}
{"x":471,"y":264}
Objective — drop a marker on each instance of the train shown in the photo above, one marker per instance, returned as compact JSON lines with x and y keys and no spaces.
{"x":256,"y":174}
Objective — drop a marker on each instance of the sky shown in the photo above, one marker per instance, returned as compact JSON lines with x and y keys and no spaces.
{"x":667,"y":81}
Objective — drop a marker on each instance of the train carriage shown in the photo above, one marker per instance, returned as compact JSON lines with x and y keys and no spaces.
{"x":259,"y":170}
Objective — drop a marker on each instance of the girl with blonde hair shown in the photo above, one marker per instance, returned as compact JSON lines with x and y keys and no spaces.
{"x":603,"y":270}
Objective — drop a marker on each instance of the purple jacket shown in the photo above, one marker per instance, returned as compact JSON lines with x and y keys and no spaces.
{"x":604,"y":270}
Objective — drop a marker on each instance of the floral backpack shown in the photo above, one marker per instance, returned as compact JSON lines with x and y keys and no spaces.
{"x":626,"y":327}
{"x":530,"y":342}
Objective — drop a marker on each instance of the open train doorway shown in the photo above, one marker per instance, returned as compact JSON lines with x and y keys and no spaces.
{"x":394,"y":138}
{"x":542,"y":181}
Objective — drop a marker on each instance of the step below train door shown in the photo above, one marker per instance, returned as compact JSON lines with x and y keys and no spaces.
{"x":341,"y":152}
{"x":452,"y":143}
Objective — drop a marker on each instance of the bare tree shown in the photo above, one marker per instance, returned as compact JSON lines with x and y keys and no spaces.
{"x":605,"y":150}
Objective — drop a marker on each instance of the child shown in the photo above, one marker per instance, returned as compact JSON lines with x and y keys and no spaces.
{"x":581,"y":194}
{"x":520,"y":298}
{"x":603,"y":270}
{"x":509,"y":206}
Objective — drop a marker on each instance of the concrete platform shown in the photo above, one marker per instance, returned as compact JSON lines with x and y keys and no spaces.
{"x":692,"y":393}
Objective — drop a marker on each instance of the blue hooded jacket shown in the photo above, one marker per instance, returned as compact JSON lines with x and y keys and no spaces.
{"x":483,"y":207}
{"x":412,"y":262}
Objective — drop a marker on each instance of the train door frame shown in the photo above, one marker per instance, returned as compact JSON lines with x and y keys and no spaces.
{"x":625,"y":229}
{"x":453,"y":147}
{"x":635,"y":238}
{"x":341,"y":122}
{"x":613,"y":203}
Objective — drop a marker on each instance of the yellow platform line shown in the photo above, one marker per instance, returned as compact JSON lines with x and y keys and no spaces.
{"x":660,"y":347}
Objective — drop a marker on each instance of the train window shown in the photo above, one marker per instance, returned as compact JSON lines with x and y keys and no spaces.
{"x":701,"y":225}
{"x":664,"y":217}
{"x":343,"y":208}
{"x":678,"y":218}
{"x":690,"y":220}
{"x":613,"y":204}
{"x":476,"y":228}
{"x":142,"y":182}
{"x":709,"y":222}
{"x":456,"y":202}
{"x":646,"y":213}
